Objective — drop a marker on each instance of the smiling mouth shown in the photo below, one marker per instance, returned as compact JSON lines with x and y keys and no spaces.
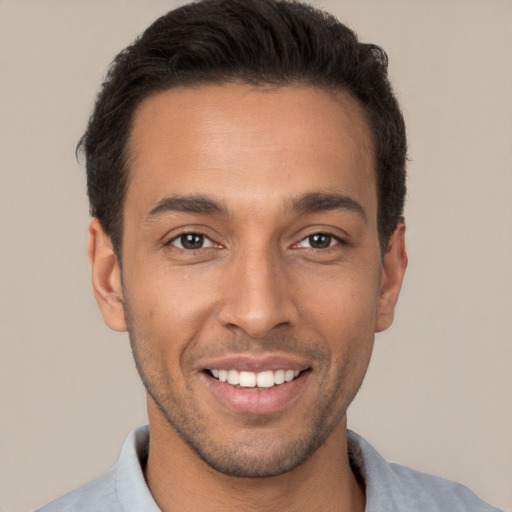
{"x":261,"y":380}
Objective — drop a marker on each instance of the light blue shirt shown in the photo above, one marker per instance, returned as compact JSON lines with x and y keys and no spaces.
{"x":389,"y":487}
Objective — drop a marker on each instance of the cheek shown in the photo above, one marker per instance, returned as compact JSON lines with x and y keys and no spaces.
{"x":342,"y":301}
{"x":167,"y":307}
{"x":343,"y":314}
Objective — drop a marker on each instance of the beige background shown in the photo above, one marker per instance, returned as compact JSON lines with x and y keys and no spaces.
{"x":439,"y":391}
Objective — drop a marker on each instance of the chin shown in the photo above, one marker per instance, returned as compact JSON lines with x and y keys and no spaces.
{"x":254,"y":458}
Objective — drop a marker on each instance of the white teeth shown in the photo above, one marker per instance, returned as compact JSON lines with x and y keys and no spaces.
{"x":265,"y":379}
{"x":279,"y":376}
{"x":247,"y":379}
{"x":289,"y":375}
{"x":233,"y":377}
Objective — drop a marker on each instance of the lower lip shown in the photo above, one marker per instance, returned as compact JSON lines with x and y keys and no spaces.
{"x":257,"y":400}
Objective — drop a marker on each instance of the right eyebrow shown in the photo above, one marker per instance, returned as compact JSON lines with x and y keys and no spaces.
{"x":189,"y":204}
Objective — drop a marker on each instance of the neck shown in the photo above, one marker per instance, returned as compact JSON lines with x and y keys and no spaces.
{"x":180,"y":481}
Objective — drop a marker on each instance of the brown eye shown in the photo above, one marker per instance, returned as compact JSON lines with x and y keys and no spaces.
{"x":191,"y":241}
{"x":318,"y":241}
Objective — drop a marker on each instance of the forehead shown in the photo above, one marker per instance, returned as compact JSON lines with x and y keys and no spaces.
{"x":239,"y":142}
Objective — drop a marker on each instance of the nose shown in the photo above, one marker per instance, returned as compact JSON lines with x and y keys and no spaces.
{"x":258,"y":296}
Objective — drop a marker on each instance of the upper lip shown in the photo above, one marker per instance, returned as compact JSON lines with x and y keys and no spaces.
{"x":252,"y":363}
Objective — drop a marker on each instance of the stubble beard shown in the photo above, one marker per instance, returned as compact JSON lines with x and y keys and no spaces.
{"x":252,"y":458}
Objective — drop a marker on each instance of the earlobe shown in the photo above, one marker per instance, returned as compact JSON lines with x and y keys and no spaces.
{"x":106,"y":277}
{"x":393,"y":270}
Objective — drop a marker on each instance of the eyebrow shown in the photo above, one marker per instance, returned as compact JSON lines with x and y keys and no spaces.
{"x":312,"y":202}
{"x":323,"y":202}
{"x":189,"y":204}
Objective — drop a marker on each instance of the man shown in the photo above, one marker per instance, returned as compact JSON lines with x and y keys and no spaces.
{"x":246,"y":174}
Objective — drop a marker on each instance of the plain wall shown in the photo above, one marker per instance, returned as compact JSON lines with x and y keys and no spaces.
{"x":438,"y":395}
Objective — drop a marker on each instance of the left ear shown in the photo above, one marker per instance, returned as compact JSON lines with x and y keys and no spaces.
{"x":392,"y":274}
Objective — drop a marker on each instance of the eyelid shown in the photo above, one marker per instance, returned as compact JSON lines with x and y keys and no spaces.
{"x":334,"y":238}
{"x":177,"y":241}
{"x":176,"y":237}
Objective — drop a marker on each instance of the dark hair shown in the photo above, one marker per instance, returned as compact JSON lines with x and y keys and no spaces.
{"x":250,"y":41}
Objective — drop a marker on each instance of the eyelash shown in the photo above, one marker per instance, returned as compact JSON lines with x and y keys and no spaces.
{"x":332,"y":240}
{"x":181,"y":236}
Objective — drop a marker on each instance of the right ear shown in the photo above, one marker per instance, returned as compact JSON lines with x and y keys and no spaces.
{"x":106,"y":277}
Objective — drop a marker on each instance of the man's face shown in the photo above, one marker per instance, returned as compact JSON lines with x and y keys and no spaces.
{"x":251,"y":252}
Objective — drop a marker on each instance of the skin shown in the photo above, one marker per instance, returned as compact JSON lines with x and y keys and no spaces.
{"x":255,"y":287}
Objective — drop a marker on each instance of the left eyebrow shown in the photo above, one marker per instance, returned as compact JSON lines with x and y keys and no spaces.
{"x":314,"y":202}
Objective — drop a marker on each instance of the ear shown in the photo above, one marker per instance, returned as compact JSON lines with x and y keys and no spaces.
{"x":106,"y":277}
{"x":392,"y":274}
